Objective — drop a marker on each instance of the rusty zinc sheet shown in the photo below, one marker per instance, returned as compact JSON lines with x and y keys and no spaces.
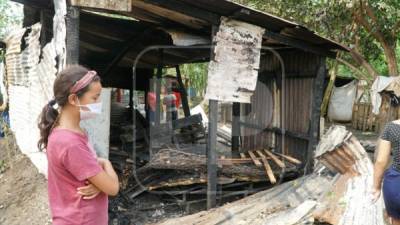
{"x":232,"y":74}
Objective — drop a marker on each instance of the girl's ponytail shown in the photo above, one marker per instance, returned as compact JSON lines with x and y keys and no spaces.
{"x":47,"y":120}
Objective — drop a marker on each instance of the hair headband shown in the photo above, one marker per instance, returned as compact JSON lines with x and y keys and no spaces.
{"x":83,"y":82}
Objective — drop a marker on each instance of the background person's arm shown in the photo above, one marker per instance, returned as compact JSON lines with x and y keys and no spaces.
{"x":381,"y":163}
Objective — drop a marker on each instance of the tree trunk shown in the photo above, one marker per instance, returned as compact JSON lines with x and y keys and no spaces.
{"x":390,"y":55}
{"x":363,"y":63}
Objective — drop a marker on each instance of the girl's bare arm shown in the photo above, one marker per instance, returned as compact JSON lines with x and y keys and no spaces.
{"x":107,"y":180}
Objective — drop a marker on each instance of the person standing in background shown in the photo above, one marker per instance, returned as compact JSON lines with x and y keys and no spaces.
{"x":169,"y":102}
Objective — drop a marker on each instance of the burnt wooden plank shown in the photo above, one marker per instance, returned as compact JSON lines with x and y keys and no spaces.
{"x":274,"y":158}
{"x":211,"y":155}
{"x":255,"y":159}
{"x":175,"y":16}
{"x":72,"y":39}
{"x":318,"y":92}
{"x":185,"y":122}
{"x":235,"y":126}
{"x":187,"y":9}
{"x":288,"y":158}
{"x":120,"y":5}
{"x":267,"y":167}
{"x":182,"y":90}
{"x":230,"y":161}
{"x":158,"y":86}
{"x":299,"y":44}
{"x":277,"y":130}
{"x":212,"y":144}
{"x":123,"y":49}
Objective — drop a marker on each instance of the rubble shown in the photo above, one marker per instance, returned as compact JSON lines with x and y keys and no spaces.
{"x":328,"y":195}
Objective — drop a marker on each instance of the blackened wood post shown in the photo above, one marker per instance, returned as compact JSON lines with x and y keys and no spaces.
{"x":43,"y":31}
{"x":212,"y":144}
{"x":318,"y":92}
{"x":131,"y":90}
{"x":235,"y":127}
{"x":158,"y":87}
{"x":146,"y":105}
{"x":212,"y":154}
{"x":72,"y":38}
{"x":182,"y":90}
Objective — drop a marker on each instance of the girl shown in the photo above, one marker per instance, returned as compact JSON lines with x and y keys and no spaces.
{"x":389,"y":142}
{"x":78,"y":182}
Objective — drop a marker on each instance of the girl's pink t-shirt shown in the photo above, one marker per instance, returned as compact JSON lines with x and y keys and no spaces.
{"x":71,"y":162}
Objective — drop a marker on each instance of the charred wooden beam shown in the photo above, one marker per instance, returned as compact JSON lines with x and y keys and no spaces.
{"x":124,"y":80}
{"x":46,"y":32}
{"x":182,"y":90}
{"x":235,"y":139}
{"x":31,"y":16}
{"x":174,"y":15}
{"x":125,"y":47}
{"x":184,"y":8}
{"x":212,"y":143}
{"x":37,"y":4}
{"x":158,"y":86}
{"x":313,"y":132}
{"x":184,"y":122}
{"x":288,"y":74}
{"x":211,"y":154}
{"x":299,"y":44}
{"x":277,"y":130}
{"x":72,"y":39}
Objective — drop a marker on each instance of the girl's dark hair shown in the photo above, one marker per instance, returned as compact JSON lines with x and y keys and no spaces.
{"x":49,"y":116}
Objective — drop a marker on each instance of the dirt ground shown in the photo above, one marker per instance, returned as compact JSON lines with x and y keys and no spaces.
{"x":23,"y":198}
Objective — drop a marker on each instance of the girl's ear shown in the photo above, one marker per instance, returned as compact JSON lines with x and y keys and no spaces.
{"x":73,"y":99}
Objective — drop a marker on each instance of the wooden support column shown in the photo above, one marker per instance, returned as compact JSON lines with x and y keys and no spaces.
{"x":318,"y":91}
{"x":212,"y":154}
{"x":72,"y":38}
{"x":182,"y":90}
{"x":131,"y":90}
{"x":235,"y":127}
{"x":212,"y":144}
{"x":158,"y":87}
{"x":146,"y":106}
{"x":43,"y":32}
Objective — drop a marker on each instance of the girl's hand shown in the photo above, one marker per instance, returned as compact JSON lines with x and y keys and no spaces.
{"x":89,"y":191}
{"x":376,"y":193}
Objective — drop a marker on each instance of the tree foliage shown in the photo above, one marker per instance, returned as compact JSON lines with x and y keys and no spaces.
{"x":368,"y":27}
{"x":10,"y":16}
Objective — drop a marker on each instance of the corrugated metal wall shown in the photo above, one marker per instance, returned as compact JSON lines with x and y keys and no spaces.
{"x":277,"y":104}
{"x":30,"y":74}
{"x":27,"y":95}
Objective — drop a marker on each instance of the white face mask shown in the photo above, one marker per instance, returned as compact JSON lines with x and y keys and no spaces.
{"x":94,"y":110}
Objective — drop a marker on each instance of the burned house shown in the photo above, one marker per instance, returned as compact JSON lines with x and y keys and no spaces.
{"x":275,"y":96}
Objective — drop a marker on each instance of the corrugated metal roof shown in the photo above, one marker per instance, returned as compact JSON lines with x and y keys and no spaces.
{"x":201,"y":14}
{"x":106,"y":39}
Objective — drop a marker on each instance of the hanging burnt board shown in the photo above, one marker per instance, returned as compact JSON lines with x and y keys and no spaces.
{"x":118,"y":5}
{"x":232,"y":73}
